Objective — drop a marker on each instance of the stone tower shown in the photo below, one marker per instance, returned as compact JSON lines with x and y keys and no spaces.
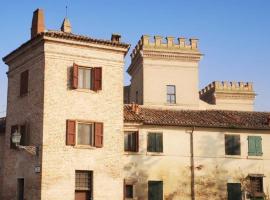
{"x":165,"y":73}
{"x":65,"y":98}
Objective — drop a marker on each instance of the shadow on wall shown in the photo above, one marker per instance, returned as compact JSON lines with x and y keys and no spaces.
{"x":211,"y":181}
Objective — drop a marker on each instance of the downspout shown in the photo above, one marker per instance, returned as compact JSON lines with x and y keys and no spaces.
{"x":192,"y":173}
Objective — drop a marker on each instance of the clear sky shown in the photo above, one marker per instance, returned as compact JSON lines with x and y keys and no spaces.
{"x":234,"y":34}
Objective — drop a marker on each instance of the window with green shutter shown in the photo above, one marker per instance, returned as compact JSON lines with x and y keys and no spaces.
{"x":255,"y":146}
{"x":155,"y":142}
{"x":155,"y":190}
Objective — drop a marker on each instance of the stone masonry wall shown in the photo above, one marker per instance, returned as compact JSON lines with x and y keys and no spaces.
{"x":29,"y":108}
{"x":62,"y":103}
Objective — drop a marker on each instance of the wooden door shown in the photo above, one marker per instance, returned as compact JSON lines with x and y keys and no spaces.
{"x":82,"y":195}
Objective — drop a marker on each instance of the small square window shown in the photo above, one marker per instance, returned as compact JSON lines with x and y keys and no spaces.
{"x":129,"y":191}
{"x":155,"y":142}
{"x":85,"y":134}
{"x":131,"y":141}
{"x":232,"y":145}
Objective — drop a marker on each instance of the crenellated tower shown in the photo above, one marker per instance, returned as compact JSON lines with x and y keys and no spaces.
{"x":164,"y":72}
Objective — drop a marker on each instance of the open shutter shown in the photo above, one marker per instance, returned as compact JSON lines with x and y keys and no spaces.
{"x":96,"y":78}
{"x":75,"y":76}
{"x":71,"y":132}
{"x":98,"y":134}
{"x":251,"y":146}
{"x":13,"y":129}
{"x":258,"y":144}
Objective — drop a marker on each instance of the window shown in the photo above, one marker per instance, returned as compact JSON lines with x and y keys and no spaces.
{"x":232,"y":145}
{"x":155,"y":142}
{"x":86,"y":77}
{"x":171,"y":94}
{"x":234,"y":191}
{"x":85,"y":134}
{"x":132,"y":141}
{"x":255,"y":146}
{"x":155,"y":190}
{"x":24,"y":83}
{"x":20,"y":189}
{"x":256,"y":185}
{"x":137,"y":97}
{"x":83,"y":185}
{"x":129,"y":191}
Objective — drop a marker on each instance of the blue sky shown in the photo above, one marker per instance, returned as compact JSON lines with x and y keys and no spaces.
{"x":234,"y":34}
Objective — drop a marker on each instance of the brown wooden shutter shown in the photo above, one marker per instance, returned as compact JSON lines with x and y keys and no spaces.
{"x":98,"y":134}
{"x":24,"y":83}
{"x":71,"y":132}
{"x":137,"y":141}
{"x":13,"y":129}
{"x":97,"y":78}
{"x":75,"y":76}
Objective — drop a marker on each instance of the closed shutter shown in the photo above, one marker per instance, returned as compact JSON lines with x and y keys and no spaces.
{"x":13,"y":130}
{"x":159,"y":142}
{"x":258,"y":144}
{"x":24,"y":83}
{"x":155,"y":190}
{"x":97,"y":78}
{"x":98,"y":134}
{"x":254,"y":146}
{"x":137,"y":141}
{"x":150,"y":142}
{"x":75,"y":76}
{"x":71,"y":132}
{"x":234,"y":191}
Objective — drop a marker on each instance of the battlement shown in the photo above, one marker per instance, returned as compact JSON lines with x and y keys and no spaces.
{"x":228,"y":86}
{"x":158,"y":42}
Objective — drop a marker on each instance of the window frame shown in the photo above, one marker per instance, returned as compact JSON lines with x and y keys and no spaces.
{"x":169,"y":95}
{"x":92,"y":133}
{"x":88,"y":189}
{"x":159,"y":150}
{"x":84,"y":68}
{"x":228,"y":150}
{"x":135,"y":139}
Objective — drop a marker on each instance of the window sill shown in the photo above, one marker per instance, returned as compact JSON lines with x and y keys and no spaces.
{"x":86,"y":90}
{"x":155,"y":153}
{"x":84,"y":147}
{"x":255,"y":157}
{"x":131,"y":153}
{"x":233,"y":156}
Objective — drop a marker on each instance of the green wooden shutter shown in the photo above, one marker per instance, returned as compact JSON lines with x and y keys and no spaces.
{"x":251,"y":146}
{"x":255,"y":146}
{"x":258,"y":144}
{"x":159,"y":142}
{"x":155,"y":190}
{"x":151,"y":142}
{"x":234,"y":191}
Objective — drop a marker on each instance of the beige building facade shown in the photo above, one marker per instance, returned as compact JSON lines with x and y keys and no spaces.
{"x":78,"y":140}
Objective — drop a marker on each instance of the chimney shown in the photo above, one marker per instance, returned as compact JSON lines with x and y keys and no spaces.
{"x":116,"y":38}
{"x":66,"y":26}
{"x":38,"y":25}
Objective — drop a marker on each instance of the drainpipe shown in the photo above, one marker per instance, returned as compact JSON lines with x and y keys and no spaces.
{"x":192,"y":177}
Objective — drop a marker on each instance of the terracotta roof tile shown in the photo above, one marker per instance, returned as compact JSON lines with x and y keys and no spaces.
{"x":199,"y":118}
